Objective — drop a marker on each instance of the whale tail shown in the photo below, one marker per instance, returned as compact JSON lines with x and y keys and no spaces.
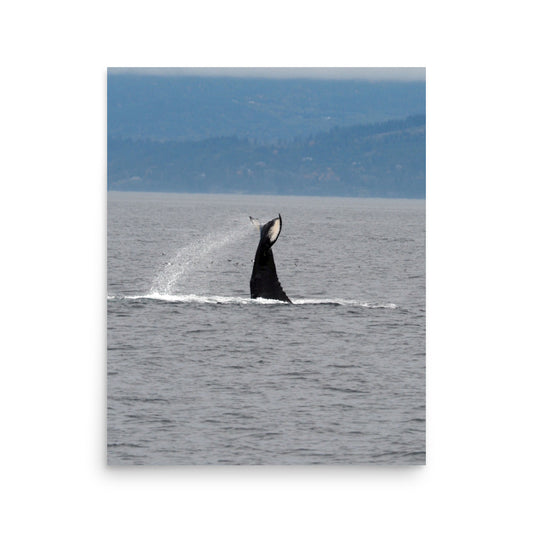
{"x":264,"y":282}
{"x":256,"y":223}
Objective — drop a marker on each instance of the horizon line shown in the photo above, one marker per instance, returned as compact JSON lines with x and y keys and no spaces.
{"x":408,"y":74}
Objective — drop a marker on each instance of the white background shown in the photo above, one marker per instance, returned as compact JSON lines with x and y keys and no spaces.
{"x":53,"y":220}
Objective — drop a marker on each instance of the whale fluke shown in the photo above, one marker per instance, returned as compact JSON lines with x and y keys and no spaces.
{"x":264,"y":282}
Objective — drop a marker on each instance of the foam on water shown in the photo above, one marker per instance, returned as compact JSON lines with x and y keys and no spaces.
{"x":214,"y":299}
{"x":343,"y":302}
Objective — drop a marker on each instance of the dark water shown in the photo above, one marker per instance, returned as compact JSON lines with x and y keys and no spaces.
{"x":200,"y":374}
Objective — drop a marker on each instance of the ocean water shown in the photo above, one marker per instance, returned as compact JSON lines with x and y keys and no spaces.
{"x":198,"y":373}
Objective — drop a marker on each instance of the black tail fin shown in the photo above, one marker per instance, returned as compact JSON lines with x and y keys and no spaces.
{"x":264,"y":282}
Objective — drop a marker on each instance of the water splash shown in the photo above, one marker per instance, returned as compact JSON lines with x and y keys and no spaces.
{"x":192,"y":257}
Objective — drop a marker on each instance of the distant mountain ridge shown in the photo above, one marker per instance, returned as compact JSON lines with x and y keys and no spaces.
{"x":385,"y":159}
{"x":181,"y":108}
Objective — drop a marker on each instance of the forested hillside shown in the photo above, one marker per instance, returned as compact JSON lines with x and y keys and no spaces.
{"x":384,"y":159}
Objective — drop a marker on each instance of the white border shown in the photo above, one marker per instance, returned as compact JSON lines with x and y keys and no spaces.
{"x":479,"y":266}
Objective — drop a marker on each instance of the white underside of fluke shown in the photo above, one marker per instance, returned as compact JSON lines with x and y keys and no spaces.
{"x":273,"y":232}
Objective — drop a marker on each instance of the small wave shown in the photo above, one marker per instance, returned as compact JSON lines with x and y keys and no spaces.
{"x":213,"y":299}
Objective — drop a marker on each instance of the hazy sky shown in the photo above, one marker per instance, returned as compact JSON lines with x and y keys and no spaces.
{"x":377,"y":73}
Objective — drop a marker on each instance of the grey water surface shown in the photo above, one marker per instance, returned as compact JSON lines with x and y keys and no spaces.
{"x":198,"y":373}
